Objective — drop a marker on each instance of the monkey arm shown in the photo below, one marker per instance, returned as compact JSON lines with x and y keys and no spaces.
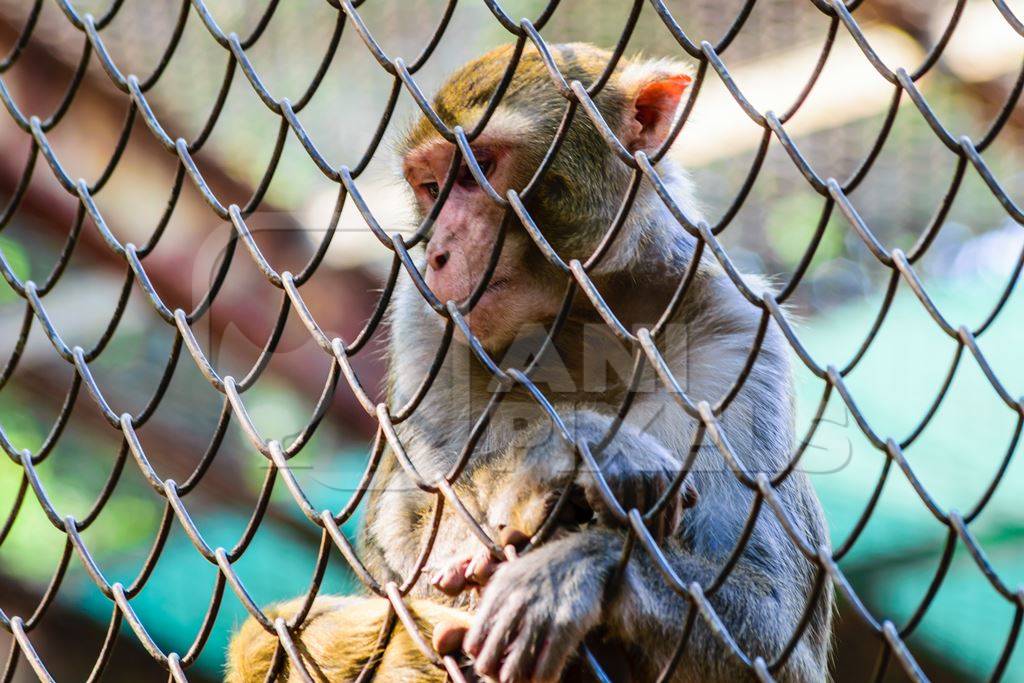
{"x":537,"y":610}
{"x":758,"y":612}
{"x":637,"y":468}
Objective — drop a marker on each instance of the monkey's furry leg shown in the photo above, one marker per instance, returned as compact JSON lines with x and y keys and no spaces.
{"x":338,"y":637}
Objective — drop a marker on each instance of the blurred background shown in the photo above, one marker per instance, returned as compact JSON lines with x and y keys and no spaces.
{"x":973,"y":261}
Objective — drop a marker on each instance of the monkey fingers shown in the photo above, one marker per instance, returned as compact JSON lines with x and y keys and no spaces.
{"x":642,"y":490}
{"x":521,"y":645}
{"x":688,"y":493}
{"x":482,"y":567}
{"x":476,"y":570}
{"x":667,"y":523}
{"x":448,"y":636}
{"x":447,"y":641}
{"x":452,"y":579}
{"x":521,"y":655}
{"x":510,"y":536}
{"x":470,"y":571}
{"x":488,"y":648}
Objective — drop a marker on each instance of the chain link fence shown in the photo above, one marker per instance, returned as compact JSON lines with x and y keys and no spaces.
{"x":349,"y":380}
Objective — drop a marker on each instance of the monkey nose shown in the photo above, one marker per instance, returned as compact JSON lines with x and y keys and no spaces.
{"x":437,"y":259}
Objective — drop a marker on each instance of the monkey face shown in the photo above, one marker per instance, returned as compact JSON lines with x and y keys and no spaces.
{"x":573,"y":204}
{"x":467,"y":229}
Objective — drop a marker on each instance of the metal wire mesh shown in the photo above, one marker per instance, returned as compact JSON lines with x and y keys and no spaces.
{"x":579,"y":102}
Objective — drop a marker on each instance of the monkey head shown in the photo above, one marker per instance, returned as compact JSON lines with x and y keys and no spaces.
{"x":575,"y":202}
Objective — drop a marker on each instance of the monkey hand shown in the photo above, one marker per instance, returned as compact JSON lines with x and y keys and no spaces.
{"x":473,"y":570}
{"x":639,"y":478}
{"x":537,"y":609}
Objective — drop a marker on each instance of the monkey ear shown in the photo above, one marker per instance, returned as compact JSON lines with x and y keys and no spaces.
{"x":653,"y":111}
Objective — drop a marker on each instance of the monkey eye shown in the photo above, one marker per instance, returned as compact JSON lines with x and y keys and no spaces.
{"x":484,"y":160}
{"x":432,"y":189}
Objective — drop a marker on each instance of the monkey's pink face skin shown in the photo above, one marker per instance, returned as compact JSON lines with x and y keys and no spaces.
{"x":464,"y":236}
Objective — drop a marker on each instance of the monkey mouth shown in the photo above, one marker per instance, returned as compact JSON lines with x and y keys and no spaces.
{"x":489,"y":305}
{"x":493,"y":291}
{"x":460,"y":294}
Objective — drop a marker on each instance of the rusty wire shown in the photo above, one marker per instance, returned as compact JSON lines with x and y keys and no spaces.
{"x":579,"y":102}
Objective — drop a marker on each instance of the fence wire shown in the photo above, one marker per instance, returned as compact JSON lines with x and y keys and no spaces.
{"x":579,"y":102}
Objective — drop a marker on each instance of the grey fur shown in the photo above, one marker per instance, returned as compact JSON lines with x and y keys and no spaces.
{"x":561,"y":586}
{"x":536,"y":610}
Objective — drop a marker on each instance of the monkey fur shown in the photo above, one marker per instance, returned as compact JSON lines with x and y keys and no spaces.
{"x":337,"y":640}
{"x":535,"y":611}
{"x":340,"y":634}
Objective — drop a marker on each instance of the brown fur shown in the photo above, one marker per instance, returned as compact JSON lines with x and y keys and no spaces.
{"x":465,"y":95}
{"x":338,"y":639}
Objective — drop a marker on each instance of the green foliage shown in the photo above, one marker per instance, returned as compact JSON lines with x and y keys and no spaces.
{"x":18,"y":259}
{"x":791,"y":223}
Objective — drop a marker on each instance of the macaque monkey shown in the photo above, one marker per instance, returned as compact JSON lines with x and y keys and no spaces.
{"x":521,"y":489}
{"x":530,"y":619}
